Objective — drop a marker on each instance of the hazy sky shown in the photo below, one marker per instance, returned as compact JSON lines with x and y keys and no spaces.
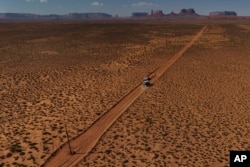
{"x":122,"y":7}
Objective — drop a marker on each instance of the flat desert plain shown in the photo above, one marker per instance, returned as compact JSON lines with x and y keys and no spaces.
{"x":57,"y":74}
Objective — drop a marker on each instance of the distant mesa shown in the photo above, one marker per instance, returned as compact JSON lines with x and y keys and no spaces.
{"x":55,"y":16}
{"x":18,"y":15}
{"x":159,"y":13}
{"x":189,"y":12}
{"x":155,"y":13}
{"x":139,"y":14}
{"x":184,"y":13}
{"x":172,"y":14}
{"x":223,"y":13}
{"x":88,"y":15}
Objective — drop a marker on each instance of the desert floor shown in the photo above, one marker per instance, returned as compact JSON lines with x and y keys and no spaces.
{"x":56,"y":74}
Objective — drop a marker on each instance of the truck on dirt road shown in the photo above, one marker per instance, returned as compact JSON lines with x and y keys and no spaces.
{"x":146,"y":81}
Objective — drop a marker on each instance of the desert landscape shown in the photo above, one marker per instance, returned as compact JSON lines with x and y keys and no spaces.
{"x":71,"y":73}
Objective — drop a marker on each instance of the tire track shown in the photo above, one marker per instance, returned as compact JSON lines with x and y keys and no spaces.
{"x":84,"y":143}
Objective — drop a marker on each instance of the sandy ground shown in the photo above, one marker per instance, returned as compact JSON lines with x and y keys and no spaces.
{"x":40,"y":93}
{"x":85,"y":142}
{"x":192,"y":116}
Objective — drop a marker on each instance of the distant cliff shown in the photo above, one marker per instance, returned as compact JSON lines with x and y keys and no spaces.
{"x":223,"y":13}
{"x":55,"y":16}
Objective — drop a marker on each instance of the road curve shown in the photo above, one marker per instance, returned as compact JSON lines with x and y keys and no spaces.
{"x":84,"y":143}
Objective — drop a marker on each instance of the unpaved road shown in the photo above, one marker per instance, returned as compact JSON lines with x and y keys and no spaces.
{"x":83,"y":144}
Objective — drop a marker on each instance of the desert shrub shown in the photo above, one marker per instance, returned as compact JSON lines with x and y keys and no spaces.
{"x":133,"y":156}
{"x":156,"y":155}
{"x":22,"y":165}
{"x":45,"y":148}
{"x":98,"y":113}
{"x":149,"y":120}
{"x":116,"y":136}
{"x":46,"y":133}
{"x":108,"y":151}
{"x":9,"y":155}
{"x":148,"y":148}
{"x":22,"y":153}
{"x":15,"y":163}
{"x":15,"y":148}
{"x":125,"y":161}
{"x":32,"y":158}
{"x":16,"y":158}
{"x":53,"y":127}
{"x":32,"y":144}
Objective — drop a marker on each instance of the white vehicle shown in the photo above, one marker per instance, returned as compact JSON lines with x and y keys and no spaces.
{"x":146,"y":78}
{"x":146,"y":81}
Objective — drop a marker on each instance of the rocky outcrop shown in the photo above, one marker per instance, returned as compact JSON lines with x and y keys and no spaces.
{"x":157,"y":13}
{"x":172,"y":14}
{"x":183,"y":13}
{"x":188,"y":12}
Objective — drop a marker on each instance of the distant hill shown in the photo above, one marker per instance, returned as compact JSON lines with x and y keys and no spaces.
{"x":26,"y":16}
{"x":223,"y":13}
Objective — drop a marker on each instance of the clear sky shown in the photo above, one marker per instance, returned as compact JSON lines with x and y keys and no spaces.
{"x":122,"y":7}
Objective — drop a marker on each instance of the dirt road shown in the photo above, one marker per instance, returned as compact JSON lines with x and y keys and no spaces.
{"x":83,"y":144}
